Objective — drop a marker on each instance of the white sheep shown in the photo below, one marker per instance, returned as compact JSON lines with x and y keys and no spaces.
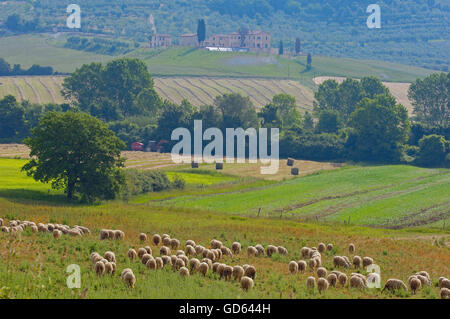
{"x":184,"y":272}
{"x":203,"y":268}
{"x":393,"y":284}
{"x":445,"y":293}
{"x":250,"y":272}
{"x":293,"y":267}
{"x":246,"y":283}
{"x":321,"y":272}
{"x":156,"y":239}
{"x":322,"y":284}
{"x":310,"y":282}
{"x":131,"y":254}
{"x":236,"y":247}
{"x":142,"y":237}
{"x":238,"y":273}
{"x":367,"y":261}
{"x":332,"y":279}
{"x":129,"y":279}
{"x":414,"y":284}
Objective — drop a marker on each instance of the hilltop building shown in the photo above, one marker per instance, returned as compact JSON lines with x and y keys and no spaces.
{"x":189,"y":40}
{"x":161,"y":41}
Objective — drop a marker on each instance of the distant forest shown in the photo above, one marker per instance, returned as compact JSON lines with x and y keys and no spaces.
{"x":413,"y":32}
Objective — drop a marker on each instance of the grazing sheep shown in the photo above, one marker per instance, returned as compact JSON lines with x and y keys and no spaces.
{"x":310,"y":282}
{"x":5,"y":229}
{"x":109,"y":256}
{"x":190,"y":242}
{"x":146,"y":258}
{"x":363,"y":278}
{"x":236,"y":247}
{"x":132,"y":254}
{"x":305,"y":252}
{"x":339,"y":261}
{"x":141,"y":252}
{"x":321,"y":247}
{"x":129,"y":279}
{"x":321,"y":272}
{"x":99,"y":268}
{"x":95,"y":256}
{"x":342,"y":278}
{"x":367,"y":261}
{"x":322,"y":285}
{"x":184,"y":272}
{"x":332,"y":279}
{"x":34,"y":229}
{"x":220,"y":269}
{"x":208,"y":261}
{"x":199,"y":249}
{"x":424,"y":280}
{"x":414,"y":284}
{"x":424,"y":273}
{"x":118,"y":234}
{"x":312,"y":264}
{"x":330,"y":247}
{"x":445,"y":283}
{"x":238,"y":272}
{"x":293,"y":267}
{"x":252,"y":251}
{"x":179,"y":263}
{"x":151,"y":264}
{"x":357,"y":282}
{"x":180,"y":253}
{"x":164,"y":251}
{"x":270,"y":250}
{"x":165,"y":236}
{"x":282,"y":251}
{"x":445,"y":293}
{"x":227,"y":272}
{"x":301,"y":266}
{"x":109,"y":268}
{"x":190,"y":251}
{"x":216,"y":244}
{"x":246,"y":283}
{"x":110,"y":234}
{"x":56,"y":233}
{"x":166,"y":241}
{"x":148,"y":250}
{"x":159,"y":263}
{"x":174,"y":243}
{"x":351,"y":248}
{"x":203,"y":268}
{"x":156,"y":239}
{"x":393,"y":284}
{"x":215,"y":266}
{"x":166,"y":260}
{"x":184,"y":258}
{"x":1,"y":221}
{"x":142,"y":237}
{"x":440,"y":281}
{"x":250,"y":272}
{"x":357,"y":261}
{"x":194,"y":263}
{"x":260,"y":250}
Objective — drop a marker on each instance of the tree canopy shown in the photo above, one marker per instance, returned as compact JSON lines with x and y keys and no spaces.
{"x":78,"y":153}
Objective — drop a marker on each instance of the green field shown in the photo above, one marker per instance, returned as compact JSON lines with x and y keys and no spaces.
{"x":387,"y":196}
{"x":197,"y":213}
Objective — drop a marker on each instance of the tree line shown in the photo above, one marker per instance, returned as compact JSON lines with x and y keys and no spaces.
{"x":7,"y":70}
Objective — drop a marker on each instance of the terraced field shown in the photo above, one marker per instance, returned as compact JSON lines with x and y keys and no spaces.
{"x":198,"y":90}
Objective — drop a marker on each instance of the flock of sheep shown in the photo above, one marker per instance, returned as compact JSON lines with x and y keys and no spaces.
{"x":197,"y":258}
{"x":357,"y":280}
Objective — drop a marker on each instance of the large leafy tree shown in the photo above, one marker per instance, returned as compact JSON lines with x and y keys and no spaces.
{"x":380,"y":127}
{"x":281,"y":113}
{"x":430,"y":98}
{"x":122,"y":88}
{"x":78,"y":153}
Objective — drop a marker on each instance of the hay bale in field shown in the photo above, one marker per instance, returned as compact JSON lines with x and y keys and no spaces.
{"x":194,"y":165}
{"x":294,"y":171}
{"x":219,"y":166}
{"x":290,"y":162}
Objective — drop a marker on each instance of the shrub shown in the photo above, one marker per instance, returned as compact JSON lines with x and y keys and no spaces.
{"x":432,"y":150}
{"x":142,"y":182}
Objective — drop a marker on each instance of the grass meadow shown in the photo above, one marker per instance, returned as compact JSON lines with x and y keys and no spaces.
{"x":33,"y":265}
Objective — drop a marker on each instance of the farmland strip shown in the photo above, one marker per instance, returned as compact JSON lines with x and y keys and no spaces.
{"x":164,"y":93}
{"x":208,"y":85}
{"x":202,"y":102}
{"x":258,"y":92}
{"x":36,"y":95}
{"x":18,"y":89}
{"x":48,"y":90}
{"x":200,"y":88}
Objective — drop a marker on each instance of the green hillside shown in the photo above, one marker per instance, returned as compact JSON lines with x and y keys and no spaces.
{"x":47,"y":51}
{"x":412,"y":32}
{"x":386,"y":196}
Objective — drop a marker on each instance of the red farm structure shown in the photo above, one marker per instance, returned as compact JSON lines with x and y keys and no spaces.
{"x":136,"y":146}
